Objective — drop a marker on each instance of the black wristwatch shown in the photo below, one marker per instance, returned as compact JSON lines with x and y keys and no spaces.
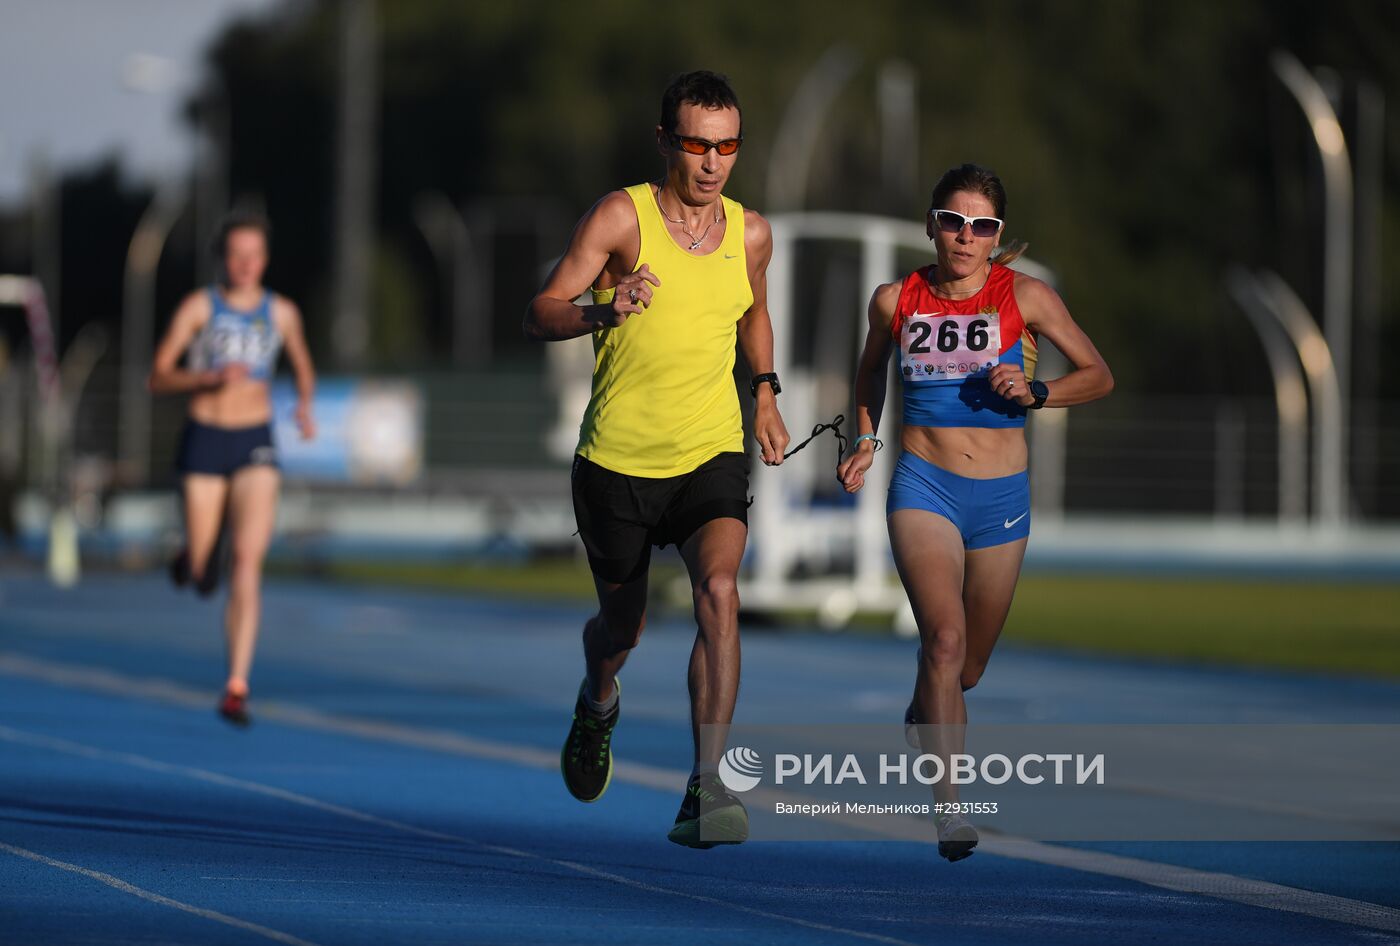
{"x":1040,"y":391}
{"x":771,"y":377}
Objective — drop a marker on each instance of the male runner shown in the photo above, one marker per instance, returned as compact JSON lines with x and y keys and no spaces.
{"x":678,"y":273}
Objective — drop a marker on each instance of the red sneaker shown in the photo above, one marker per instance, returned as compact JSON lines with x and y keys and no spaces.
{"x":234,"y":708}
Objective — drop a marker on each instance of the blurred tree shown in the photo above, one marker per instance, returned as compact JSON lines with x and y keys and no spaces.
{"x":399,"y":335}
{"x":1134,"y":137}
{"x":1145,"y":147}
{"x":99,"y":212}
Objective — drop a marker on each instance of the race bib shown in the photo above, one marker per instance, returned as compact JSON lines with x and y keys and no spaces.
{"x":233,"y":341}
{"x":941,"y":347}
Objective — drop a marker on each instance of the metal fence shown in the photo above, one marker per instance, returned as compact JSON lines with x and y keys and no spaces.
{"x":1132,"y":453}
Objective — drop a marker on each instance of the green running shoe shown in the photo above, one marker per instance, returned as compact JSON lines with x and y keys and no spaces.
{"x":709,"y":815}
{"x":586,"y":759}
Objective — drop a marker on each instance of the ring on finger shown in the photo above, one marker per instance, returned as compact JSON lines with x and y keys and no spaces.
{"x":632,"y":294}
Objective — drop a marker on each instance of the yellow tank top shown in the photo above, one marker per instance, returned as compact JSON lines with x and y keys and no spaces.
{"x":664,"y":399}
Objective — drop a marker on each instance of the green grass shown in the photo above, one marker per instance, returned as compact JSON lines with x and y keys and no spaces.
{"x":549,"y":579}
{"x":1296,"y":624}
{"x":1350,"y":628}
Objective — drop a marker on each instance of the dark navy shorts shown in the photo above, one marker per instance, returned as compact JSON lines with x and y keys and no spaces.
{"x":986,"y":512}
{"x":222,"y":451}
{"x":621,"y":517}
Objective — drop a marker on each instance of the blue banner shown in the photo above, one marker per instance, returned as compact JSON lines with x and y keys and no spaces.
{"x":367,"y":432}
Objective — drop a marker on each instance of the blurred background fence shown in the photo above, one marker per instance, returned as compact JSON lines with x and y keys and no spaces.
{"x":1170,"y":454}
{"x":422,"y":163}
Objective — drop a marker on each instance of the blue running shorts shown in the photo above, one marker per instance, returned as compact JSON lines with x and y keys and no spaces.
{"x":986,"y":512}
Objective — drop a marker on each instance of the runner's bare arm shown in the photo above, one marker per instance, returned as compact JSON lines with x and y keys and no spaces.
{"x":1045,"y":313}
{"x":871,"y":377}
{"x":289,"y":324}
{"x":167,"y":377}
{"x":604,"y":235}
{"x":756,"y":339}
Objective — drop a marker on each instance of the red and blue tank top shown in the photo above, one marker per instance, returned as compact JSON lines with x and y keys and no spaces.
{"x":947,"y":347}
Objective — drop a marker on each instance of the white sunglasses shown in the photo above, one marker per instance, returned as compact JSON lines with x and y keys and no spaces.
{"x":950,"y":221}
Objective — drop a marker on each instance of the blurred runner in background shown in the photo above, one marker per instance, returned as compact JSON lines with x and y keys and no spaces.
{"x":230,"y":334}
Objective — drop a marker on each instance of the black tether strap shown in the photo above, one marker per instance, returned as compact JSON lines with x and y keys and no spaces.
{"x":834,"y":427}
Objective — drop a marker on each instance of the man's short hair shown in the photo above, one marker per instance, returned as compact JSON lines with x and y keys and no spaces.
{"x":704,"y":88}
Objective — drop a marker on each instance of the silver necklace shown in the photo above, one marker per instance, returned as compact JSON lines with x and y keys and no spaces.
{"x":695,"y":240}
{"x":949,"y":292}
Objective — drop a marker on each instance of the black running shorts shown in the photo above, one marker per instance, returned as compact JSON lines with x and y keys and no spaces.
{"x":223,"y":451}
{"x":621,"y":517}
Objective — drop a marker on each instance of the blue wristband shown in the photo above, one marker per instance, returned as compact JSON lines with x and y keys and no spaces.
{"x":878,"y":442}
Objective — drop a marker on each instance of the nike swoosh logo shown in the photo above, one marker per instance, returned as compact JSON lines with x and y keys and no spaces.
{"x":731,"y":255}
{"x":1011,"y":522}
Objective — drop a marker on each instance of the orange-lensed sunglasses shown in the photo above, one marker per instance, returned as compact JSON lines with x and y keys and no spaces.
{"x":700,"y":145}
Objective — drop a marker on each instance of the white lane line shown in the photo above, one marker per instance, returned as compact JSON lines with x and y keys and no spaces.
{"x":1257,"y":893}
{"x":358,"y":883}
{"x":124,"y":887}
{"x":98,"y":680}
{"x":227,"y":781}
{"x":1221,"y":886}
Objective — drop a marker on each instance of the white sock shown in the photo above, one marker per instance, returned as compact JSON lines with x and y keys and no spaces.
{"x":603,"y":708}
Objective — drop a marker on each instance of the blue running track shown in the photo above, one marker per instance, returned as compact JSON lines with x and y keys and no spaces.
{"x":400,"y":785}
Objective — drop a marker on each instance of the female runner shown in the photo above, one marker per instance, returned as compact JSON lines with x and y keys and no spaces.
{"x":958,"y":512}
{"x":231,"y":334}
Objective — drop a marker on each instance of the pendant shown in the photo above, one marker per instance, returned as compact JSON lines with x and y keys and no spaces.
{"x":696,"y":244}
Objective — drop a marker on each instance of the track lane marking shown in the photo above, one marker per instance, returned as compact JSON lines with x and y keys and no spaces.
{"x":118,"y":884}
{"x":1218,"y":885}
{"x":135,"y":760}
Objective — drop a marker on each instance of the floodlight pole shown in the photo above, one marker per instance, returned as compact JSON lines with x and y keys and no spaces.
{"x":1290,"y":394}
{"x":450,"y":240}
{"x":1337,"y":247}
{"x":799,"y":132}
{"x":138,"y":326}
{"x":355,"y":179}
{"x":1329,"y":460}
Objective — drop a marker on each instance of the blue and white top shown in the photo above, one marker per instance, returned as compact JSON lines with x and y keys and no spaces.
{"x":234,"y":336}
